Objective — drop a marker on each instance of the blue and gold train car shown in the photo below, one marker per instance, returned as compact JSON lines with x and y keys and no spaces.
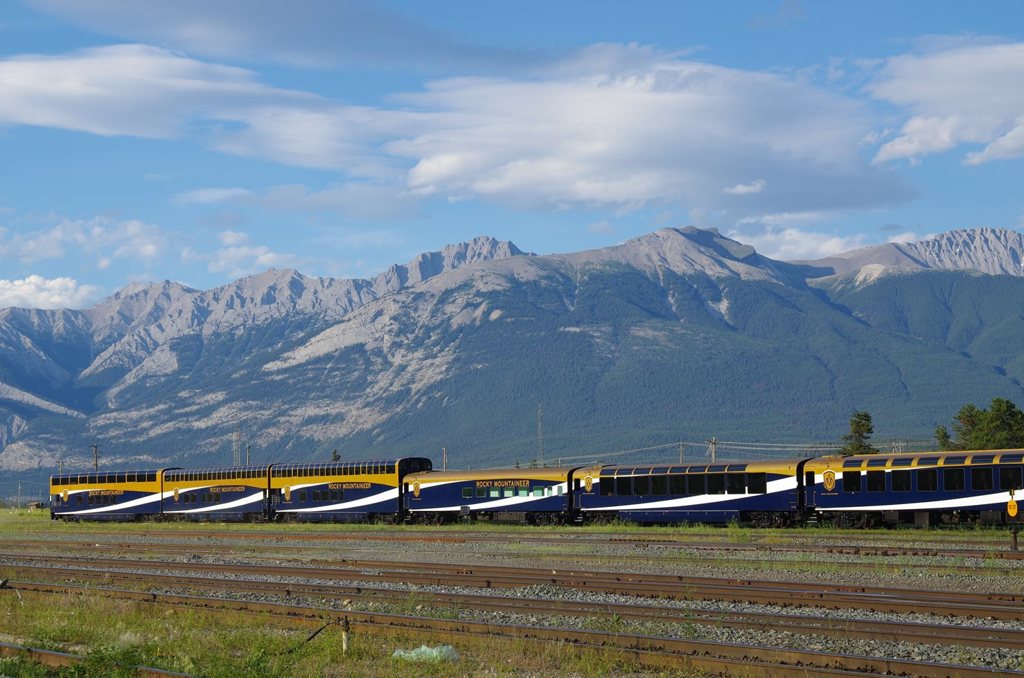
{"x":230,"y":494}
{"x":113,"y":495}
{"x":923,"y":488}
{"x":761,"y":493}
{"x":342,"y":491}
{"x":508,"y":495}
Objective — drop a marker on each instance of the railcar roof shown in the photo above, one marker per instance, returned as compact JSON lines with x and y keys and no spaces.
{"x":538,"y":473}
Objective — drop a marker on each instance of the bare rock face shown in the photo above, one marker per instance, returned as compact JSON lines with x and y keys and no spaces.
{"x":993,"y":251}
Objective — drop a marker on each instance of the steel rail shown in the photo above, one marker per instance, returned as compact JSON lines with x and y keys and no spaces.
{"x":982,"y":568}
{"x":63,"y":659}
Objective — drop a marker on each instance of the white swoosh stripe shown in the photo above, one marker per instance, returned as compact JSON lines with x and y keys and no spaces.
{"x":774,"y":486}
{"x":960,"y":502}
{"x":387,"y":495}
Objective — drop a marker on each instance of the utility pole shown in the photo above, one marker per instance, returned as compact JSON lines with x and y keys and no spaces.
{"x":248,"y":449}
{"x":681,"y":448}
{"x":713,"y":448}
{"x":95,"y":457}
{"x":444,"y":459}
{"x":540,"y":435}
{"x":236,"y":447}
{"x":18,"y":505}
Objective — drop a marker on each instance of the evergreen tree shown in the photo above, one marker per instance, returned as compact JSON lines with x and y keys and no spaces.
{"x":998,"y":428}
{"x":856,"y":441}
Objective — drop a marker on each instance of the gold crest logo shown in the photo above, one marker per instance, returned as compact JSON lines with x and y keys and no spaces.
{"x":287,"y":493}
{"x":588,"y":483}
{"x":175,"y":494}
{"x":65,"y":494}
{"x":828,"y":479}
{"x":416,"y":489}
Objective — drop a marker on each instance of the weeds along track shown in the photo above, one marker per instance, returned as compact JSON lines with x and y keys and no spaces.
{"x":646,"y":650}
{"x":1007,"y":606}
{"x":59,"y":660}
{"x":41,"y":580}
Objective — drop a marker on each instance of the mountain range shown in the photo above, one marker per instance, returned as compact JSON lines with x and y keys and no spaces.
{"x":500,"y":356}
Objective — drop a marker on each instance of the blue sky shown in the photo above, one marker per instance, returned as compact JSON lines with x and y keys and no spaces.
{"x":203,"y":140}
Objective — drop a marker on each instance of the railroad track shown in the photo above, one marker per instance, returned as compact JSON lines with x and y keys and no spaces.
{"x":944,"y":603}
{"x":654,"y":651}
{"x":803,"y":624}
{"x":983,"y":560}
{"x":986,"y":549}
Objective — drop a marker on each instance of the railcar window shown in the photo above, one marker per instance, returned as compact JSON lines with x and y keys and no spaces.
{"x":757,"y":483}
{"x":982,"y":458}
{"x":606,"y":486}
{"x":877,"y":463}
{"x":302,"y":495}
{"x":695,"y":484}
{"x":953,"y":479}
{"x":642,"y":486}
{"x":902,"y":462}
{"x":561,"y":490}
{"x":524,"y":492}
{"x":538,"y":491}
{"x":876,"y":481}
{"x":677,"y":484}
{"x":509,"y":492}
{"x":481,"y":491}
{"x":1012,"y":458}
{"x":659,"y":486}
{"x":494,"y":492}
{"x":927,"y":480}
{"x":734,"y":483}
{"x":624,"y":486}
{"x":1009,"y":478}
{"x":900,"y":481}
{"x":851,"y":463}
{"x":716,"y":483}
{"x":851,"y":481}
{"x":954,"y":461}
{"x":981,"y":478}
{"x":927,"y":461}
{"x":391,"y":468}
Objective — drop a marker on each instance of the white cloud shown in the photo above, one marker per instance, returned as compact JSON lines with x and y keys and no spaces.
{"x":789,"y":244}
{"x":38,"y":292}
{"x":208,"y":196}
{"x":237,"y":257}
{"x":746,"y":189}
{"x":603,"y":227}
{"x":613,"y":126}
{"x":960,"y":95}
{"x":100,"y":237}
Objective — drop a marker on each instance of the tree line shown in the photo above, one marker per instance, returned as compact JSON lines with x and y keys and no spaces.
{"x":1000,"y":427}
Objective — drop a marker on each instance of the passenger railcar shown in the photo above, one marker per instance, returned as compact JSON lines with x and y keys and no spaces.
{"x":763,"y":493}
{"x":230,"y":494}
{"x":342,"y":491}
{"x":509,"y":495}
{"x":113,"y":495}
{"x":923,"y":488}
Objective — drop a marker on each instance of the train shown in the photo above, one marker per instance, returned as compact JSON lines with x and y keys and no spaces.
{"x":919,"y":488}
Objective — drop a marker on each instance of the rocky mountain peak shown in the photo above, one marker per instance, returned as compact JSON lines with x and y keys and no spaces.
{"x":995,"y":251}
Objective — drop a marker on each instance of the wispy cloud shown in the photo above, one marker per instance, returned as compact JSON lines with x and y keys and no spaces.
{"x":746,"y":189}
{"x":315,"y":33}
{"x":961,"y":94}
{"x":100,"y":238}
{"x":791,"y":243}
{"x":238,"y":257}
{"x":613,"y":126}
{"x":36,"y":291}
{"x":209,"y":196}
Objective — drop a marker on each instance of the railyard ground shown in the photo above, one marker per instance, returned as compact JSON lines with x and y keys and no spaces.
{"x":116,"y":635}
